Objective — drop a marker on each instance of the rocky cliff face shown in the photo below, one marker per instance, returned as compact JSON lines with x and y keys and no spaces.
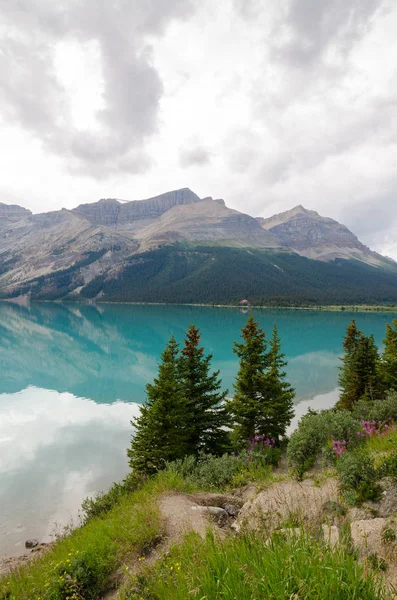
{"x":112,"y":212}
{"x":317,"y":237}
{"x":11,"y":213}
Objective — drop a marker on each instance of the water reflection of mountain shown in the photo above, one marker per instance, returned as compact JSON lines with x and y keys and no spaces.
{"x":110,"y":352}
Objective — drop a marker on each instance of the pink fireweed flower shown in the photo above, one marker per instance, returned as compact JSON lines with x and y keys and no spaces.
{"x":339,"y":447}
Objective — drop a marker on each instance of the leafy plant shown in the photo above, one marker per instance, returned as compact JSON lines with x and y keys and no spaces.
{"x":101,"y":503}
{"x":378,"y":410}
{"x":314,"y":431}
{"x":389,"y":535}
{"x":357,"y":473}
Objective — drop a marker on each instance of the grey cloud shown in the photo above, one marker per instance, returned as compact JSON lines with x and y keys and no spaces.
{"x":31,"y":94}
{"x":311,"y":26}
{"x":194,"y":156}
{"x":372,"y":217}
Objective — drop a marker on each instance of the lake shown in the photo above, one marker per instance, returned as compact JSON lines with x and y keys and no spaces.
{"x":72,"y":376}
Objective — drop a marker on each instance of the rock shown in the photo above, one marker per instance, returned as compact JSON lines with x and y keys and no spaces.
{"x":31,"y":543}
{"x":387,"y":505}
{"x":218,"y":514}
{"x":40,"y":547}
{"x":231,"y":509}
{"x":246,"y":493}
{"x":210,"y":499}
{"x":331,"y":535}
{"x":284,"y":501}
{"x":361,"y":513}
{"x":367,"y":535}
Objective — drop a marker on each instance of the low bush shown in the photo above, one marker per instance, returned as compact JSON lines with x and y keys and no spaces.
{"x":214,"y":473}
{"x":313,"y":434}
{"x":388,"y":467}
{"x":252,"y":566}
{"x":358,"y":476}
{"x":101,"y":503}
{"x":377,"y":410}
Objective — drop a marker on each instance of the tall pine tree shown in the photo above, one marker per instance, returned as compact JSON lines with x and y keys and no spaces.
{"x":388,"y":363}
{"x":205,"y":399}
{"x":162,"y":429}
{"x":358,"y":377}
{"x":280,"y":393}
{"x":262,"y":402}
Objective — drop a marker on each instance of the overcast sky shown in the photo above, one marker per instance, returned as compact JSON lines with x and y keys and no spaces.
{"x":265,"y":103}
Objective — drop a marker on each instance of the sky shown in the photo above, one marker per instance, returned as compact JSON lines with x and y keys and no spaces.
{"x":265,"y":103}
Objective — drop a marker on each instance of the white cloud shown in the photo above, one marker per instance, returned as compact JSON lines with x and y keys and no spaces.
{"x":266,"y":105}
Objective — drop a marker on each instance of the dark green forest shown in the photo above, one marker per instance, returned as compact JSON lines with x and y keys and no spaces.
{"x":226,"y":275}
{"x":222,"y":275}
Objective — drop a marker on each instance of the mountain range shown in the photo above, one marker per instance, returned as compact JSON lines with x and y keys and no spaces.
{"x":177,"y":247}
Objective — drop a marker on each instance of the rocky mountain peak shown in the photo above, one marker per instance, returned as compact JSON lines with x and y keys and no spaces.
{"x":317,"y":237}
{"x":112,"y":212}
{"x":12,"y":213}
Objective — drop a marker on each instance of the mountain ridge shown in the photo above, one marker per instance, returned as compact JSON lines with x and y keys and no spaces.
{"x":61,"y":254}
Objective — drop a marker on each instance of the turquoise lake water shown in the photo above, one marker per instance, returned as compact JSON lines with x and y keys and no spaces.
{"x":72,"y":377}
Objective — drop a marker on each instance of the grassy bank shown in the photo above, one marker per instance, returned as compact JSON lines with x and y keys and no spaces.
{"x":252,"y":567}
{"x":81,"y":565}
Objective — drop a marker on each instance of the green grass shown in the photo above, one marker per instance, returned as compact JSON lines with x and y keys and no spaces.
{"x":252,"y":568}
{"x":80,"y":565}
{"x":384,"y":443}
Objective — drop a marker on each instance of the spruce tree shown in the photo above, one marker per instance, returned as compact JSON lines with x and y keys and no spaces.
{"x":348,"y":377}
{"x":248,"y":402}
{"x":388,"y":363}
{"x":205,"y":399}
{"x":280,"y":393}
{"x":162,"y":429}
{"x":358,"y":378}
{"x":262,"y":402}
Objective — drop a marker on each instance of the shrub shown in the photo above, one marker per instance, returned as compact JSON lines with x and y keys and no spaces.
{"x":378,"y":410}
{"x":357,"y":473}
{"x":81,"y":575}
{"x":101,"y":503}
{"x":388,"y":468}
{"x":211,"y":472}
{"x":313,"y":434}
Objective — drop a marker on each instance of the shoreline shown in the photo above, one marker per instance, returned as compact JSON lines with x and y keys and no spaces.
{"x":356,"y":308}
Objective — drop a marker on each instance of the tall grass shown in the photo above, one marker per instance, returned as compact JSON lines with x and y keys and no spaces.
{"x":253,"y":568}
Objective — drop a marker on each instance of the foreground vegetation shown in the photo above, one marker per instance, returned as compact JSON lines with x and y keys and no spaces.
{"x":123,"y":525}
{"x":252,"y":567}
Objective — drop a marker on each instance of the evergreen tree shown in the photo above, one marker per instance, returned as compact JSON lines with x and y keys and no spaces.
{"x":162,"y":429}
{"x":248,"y":402}
{"x":388,"y":363}
{"x":280,"y":393}
{"x":262,"y":402}
{"x":358,"y":378}
{"x":205,"y":400}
